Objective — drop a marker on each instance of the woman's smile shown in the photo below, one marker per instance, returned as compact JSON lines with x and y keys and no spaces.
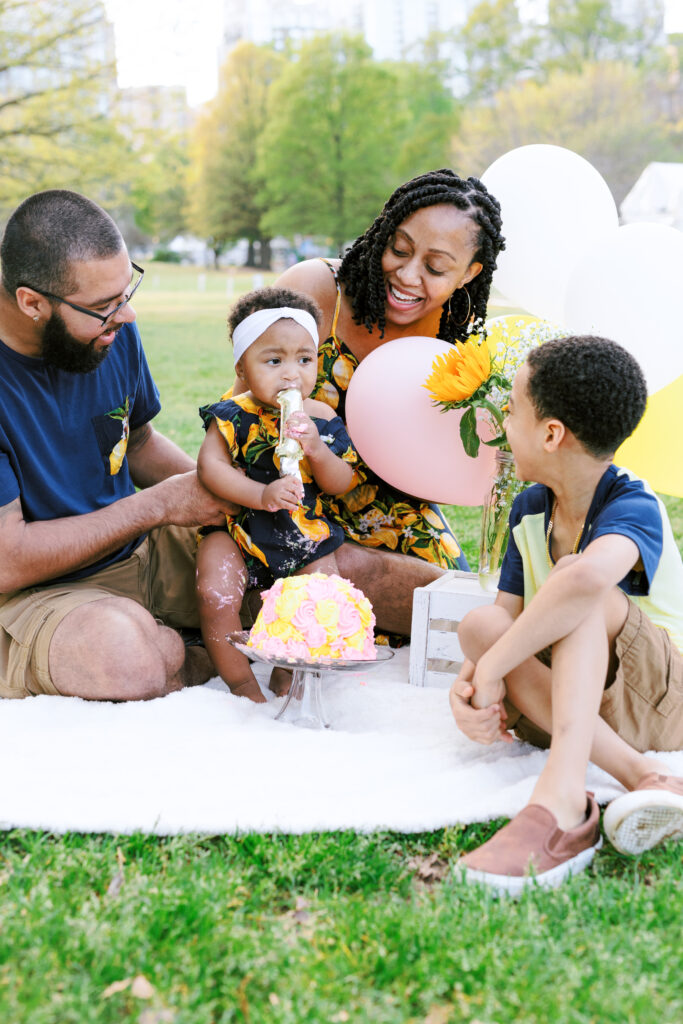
{"x":428,"y":258}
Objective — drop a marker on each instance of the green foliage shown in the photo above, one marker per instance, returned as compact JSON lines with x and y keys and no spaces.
{"x":602,"y":112}
{"x":333,"y":133}
{"x":158,"y":185}
{"x":496,"y":47}
{"x":580,"y":32}
{"x":52,"y":129}
{"x":433,"y":115}
{"x":224,"y":183}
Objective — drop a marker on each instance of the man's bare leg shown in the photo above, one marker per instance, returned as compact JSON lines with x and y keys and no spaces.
{"x":388,"y":579}
{"x":113,"y":649}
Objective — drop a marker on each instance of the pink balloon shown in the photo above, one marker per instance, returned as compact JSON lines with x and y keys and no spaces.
{"x":409,"y":442}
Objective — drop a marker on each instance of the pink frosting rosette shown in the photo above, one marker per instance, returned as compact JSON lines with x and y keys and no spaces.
{"x":322,"y":588}
{"x":304,"y":615}
{"x":315,"y":636}
{"x":348,"y":622}
{"x":315,"y":616}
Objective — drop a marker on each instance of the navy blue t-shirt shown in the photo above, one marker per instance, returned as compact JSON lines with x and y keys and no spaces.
{"x":622,"y":504}
{"x":63,"y":436}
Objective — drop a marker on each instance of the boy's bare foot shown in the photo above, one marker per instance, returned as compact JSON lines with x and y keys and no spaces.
{"x":280,"y":681}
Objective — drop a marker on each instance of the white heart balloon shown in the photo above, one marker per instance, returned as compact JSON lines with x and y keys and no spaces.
{"x":628,"y":286}
{"x":553,"y":204}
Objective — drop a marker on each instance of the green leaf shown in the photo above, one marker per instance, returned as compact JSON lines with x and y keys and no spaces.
{"x":468,"y":433}
{"x":498,"y":442}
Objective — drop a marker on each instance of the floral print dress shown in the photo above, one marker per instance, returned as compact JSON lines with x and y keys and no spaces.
{"x":373,"y":513}
{"x":275,"y":544}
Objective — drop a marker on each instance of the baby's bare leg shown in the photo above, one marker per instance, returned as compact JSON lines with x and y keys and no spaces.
{"x":221,"y":582}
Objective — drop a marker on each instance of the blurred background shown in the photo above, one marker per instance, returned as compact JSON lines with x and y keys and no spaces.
{"x":256,"y":133}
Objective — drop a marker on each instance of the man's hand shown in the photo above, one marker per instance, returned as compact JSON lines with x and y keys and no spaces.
{"x":286,"y":492}
{"x":189,"y":503}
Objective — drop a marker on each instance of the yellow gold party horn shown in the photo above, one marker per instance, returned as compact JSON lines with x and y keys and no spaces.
{"x":289,"y":451}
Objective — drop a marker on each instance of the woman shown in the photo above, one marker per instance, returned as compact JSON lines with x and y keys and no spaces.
{"x":424,"y":267}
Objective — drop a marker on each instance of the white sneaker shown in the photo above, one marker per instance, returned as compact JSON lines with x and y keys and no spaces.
{"x":648,"y":815}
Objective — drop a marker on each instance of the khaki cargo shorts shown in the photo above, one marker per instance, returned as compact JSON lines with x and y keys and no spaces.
{"x":644,"y":704}
{"x":159,"y":575}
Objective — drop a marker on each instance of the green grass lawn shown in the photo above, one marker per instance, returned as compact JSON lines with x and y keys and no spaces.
{"x":328,"y":927}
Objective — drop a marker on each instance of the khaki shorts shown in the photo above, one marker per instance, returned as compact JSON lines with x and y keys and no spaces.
{"x":644,"y":704}
{"x":159,"y":575}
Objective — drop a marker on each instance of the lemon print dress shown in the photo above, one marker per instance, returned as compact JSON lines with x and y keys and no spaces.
{"x":276,"y":544}
{"x":373,"y":513}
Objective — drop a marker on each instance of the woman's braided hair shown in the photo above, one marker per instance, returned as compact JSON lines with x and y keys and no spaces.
{"x":361,"y":268}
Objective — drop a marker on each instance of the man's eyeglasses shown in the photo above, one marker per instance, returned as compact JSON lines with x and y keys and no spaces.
{"x":89,"y":312}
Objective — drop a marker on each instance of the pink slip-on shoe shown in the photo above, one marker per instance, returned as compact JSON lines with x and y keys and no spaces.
{"x":649,"y":814}
{"x":533,"y":850}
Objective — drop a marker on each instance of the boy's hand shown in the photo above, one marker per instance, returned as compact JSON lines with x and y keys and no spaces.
{"x":287,"y":492}
{"x":482,"y":725}
{"x":301,"y":428}
{"x":487,"y":689}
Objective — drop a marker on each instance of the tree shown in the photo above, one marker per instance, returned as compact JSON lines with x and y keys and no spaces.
{"x":496,"y":47}
{"x":583,"y":31}
{"x":158,"y":191}
{"x":603,"y":113}
{"x":225,"y":204}
{"x":433,"y":114}
{"x":57,"y":77}
{"x":329,"y":149}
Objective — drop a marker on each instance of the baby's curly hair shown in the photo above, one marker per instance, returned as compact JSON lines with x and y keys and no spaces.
{"x":594,"y":386}
{"x":271,"y":298}
{"x":361,"y":268}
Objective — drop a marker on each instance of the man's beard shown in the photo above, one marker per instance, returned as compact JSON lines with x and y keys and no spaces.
{"x":63,"y":351}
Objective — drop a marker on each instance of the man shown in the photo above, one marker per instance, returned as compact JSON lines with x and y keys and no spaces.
{"x":92,"y":572}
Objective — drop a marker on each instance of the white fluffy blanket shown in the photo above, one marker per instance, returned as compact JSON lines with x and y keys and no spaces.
{"x":205,"y":761}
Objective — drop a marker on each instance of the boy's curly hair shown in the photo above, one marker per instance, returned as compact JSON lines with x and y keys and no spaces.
{"x":271,"y":298}
{"x":361,"y":268}
{"x":594,"y":386}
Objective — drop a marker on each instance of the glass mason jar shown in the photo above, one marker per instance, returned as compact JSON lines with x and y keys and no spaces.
{"x":494,"y":519}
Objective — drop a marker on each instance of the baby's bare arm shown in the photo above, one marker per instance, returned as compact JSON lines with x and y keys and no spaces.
{"x":217,"y":473}
{"x":331,"y":474}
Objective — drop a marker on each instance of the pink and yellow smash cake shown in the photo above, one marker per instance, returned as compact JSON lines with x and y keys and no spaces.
{"x":315,"y":617}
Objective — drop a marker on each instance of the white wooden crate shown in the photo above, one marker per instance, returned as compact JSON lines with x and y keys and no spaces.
{"x":438,"y":609}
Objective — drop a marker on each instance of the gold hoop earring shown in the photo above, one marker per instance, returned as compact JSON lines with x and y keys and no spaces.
{"x":461,"y":323}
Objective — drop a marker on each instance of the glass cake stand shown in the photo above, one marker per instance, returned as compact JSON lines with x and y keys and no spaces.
{"x":303,"y":705}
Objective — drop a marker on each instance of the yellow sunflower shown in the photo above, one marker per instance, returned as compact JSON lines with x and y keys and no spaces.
{"x":458,"y":374}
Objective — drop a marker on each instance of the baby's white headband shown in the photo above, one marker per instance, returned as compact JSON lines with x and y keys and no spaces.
{"x":254,"y":325}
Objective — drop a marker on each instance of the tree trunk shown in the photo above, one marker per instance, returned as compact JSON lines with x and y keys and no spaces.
{"x":265,"y":254}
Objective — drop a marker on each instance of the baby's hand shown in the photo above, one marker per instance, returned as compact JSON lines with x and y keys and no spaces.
{"x":301,"y":428}
{"x":286,"y":492}
{"x":485,"y":725}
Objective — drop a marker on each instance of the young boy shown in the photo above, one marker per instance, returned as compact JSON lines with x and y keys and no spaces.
{"x":582,"y":649}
